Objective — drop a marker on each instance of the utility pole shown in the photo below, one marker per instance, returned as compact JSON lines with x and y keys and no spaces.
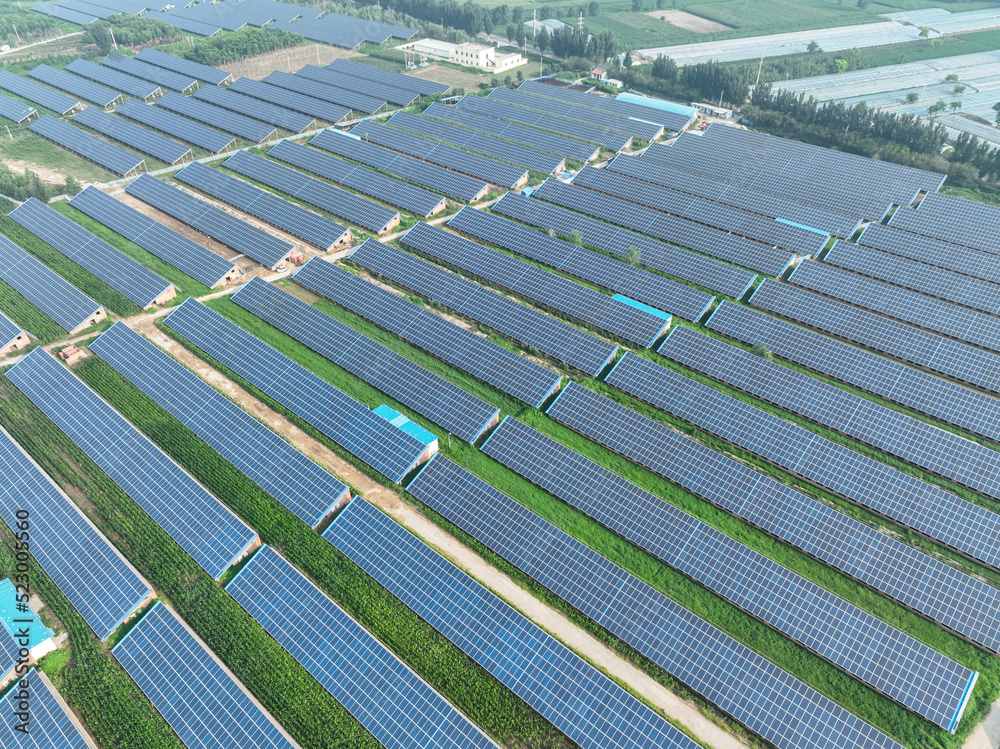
{"x":113,"y":42}
{"x":17,"y":35}
{"x":534,"y":24}
{"x":579,"y":24}
{"x":759,"y":67}
{"x":720,"y":99}
{"x":8,"y":132}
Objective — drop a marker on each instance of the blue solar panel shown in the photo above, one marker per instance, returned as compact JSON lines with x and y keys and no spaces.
{"x":299,"y":483}
{"x":52,"y":725}
{"x":471,"y":353}
{"x":185,"y":24}
{"x":876,"y":653}
{"x":670,"y":120}
{"x":69,"y":308}
{"x":364,"y":103}
{"x":145,"y":71}
{"x":185,"y":67}
{"x":14,"y":110}
{"x":112,"y":266}
{"x":113,"y":78}
{"x":256,"y":109}
{"x":201,"y":700}
{"x":9,"y":330}
{"x":180,"y":128}
{"x":86,"y":90}
{"x":532,"y":328}
{"x":220,"y":119}
{"x":429,"y":394}
{"x":66,"y":14}
{"x":770,"y":701}
{"x":395,"y":705}
{"x":123,"y":131}
{"x":371,"y":73}
{"x":977,"y":236}
{"x":90,"y":147}
{"x":918,"y":581}
{"x":364,"y":434}
{"x":89,"y":571}
{"x":936,"y":252}
{"x":580,"y":701}
{"x":388,"y":92}
{"x":282,"y":97}
{"x":37,"y":94}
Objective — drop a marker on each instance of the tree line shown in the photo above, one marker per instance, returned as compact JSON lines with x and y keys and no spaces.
{"x":129,"y":31}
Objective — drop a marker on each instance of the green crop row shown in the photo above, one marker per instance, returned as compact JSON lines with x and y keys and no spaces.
{"x":28,"y":316}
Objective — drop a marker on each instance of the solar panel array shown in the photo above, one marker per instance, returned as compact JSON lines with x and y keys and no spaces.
{"x":576,"y":698}
{"x":388,"y":92}
{"x":663,"y":257}
{"x":634,"y":128}
{"x":36,"y":94}
{"x":761,"y":695}
{"x":184,"y":67}
{"x":282,"y":97}
{"x":705,"y":239}
{"x":386,"y":77}
{"x":160,"y":76}
{"x":221,"y":119}
{"x":934,"y":314}
{"x":876,"y":653}
{"x":613,"y":275}
{"x":447,"y":156}
{"x":427,"y":393}
{"x":943,"y":399}
{"x":601,"y":136}
{"x":9,"y":330}
{"x":14,"y":110}
{"x":471,"y":353}
{"x":977,"y":236}
{"x":530,"y":327}
{"x":139,"y":138}
{"x":389,"y":450}
{"x":115,"y":268}
{"x":191,"y":258}
{"x":289,"y":217}
{"x":197,"y":521}
{"x":90,"y":147}
{"x":202,"y":701}
{"x":255,"y":109}
{"x":231,"y":231}
{"x":86,"y":90}
{"x":389,"y":190}
{"x":344,"y":31}
{"x":579,"y":302}
{"x":185,"y":24}
{"x":672,"y":121}
{"x":567,"y":148}
{"x":296,"y":481}
{"x":959,"y":209}
{"x":89,"y":571}
{"x":411,"y":169}
{"x":749,"y":199}
{"x":182,"y":129}
{"x":348,"y":206}
{"x":113,"y":78}
{"x":511,"y":153}
{"x":918,"y":581}
{"x":52,"y":724}
{"x":359,"y":102}
{"x":742,"y":223}
{"x":931,"y":251}
{"x":70,"y":308}
{"x":66,"y":14}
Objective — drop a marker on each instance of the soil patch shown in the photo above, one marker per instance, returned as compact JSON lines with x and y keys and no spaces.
{"x":48,"y":175}
{"x":688,"y":21}
{"x":287,"y":60}
{"x":449,"y":76}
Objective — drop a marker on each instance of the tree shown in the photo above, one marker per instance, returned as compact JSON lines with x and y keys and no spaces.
{"x":543,"y":41}
{"x":813,"y":47}
{"x":996,"y":108}
{"x":955,"y":105}
{"x":520,"y":76}
{"x":924,"y":32}
{"x":912,"y":98}
{"x":863,"y":4}
{"x":594,"y":8}
{"x":637,"y":6}
{"x":937,"y":107}
{"x":576,"y":237}
{"x":763,"y":351}
{"x":661,"y":4}
{"x":665,"y":69}
{"x":958,"y":90}
{"x":72,"y":187}
{"x":627,"y":60}
{"x":841,"y":65}
{"x":632,"y":255}
{"x":951,"y":77}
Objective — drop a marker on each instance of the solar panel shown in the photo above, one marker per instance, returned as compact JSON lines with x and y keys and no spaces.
{"x":86,"y":90}
{"x":88,"y":146}
{"x":9,"y":331}
{"x":959,"y":209}
{"x":931,"y":251}
{"x":231,"y":231}
{"x":139,"y":138}
{"x":256,"y":109}
{"x":318,"y":231}
{"x":188,"y":685}
{"x":327,"y":33}
{"x":69,"y":308}
{"x":366,"y":435}
{"x":184,"y":130}
{"x":641,"y":285}
{"x":145,"y":71}
{"x":413,"y":170}
{"x":405,"y":82}
{"x":705,"y":239}
{"x":766,"y":698}
{"x":977,"y":236}
{"x":444,"y":155}
{"x":197,"y":521}
{"x":687,"y":266}
{"x":579,"y":302}
{"x":114,"y":79}
{"x":185,"y":24}
{"x":346,"y":205}
{"x":934,"y":314}
{"x":14,"y":110}
{"x":471,"y":353}
{"x":429,"y":394}
{"x":918,"y":581}
{"x":673,"y":121}
{"x":115,"y":268}
{"x":943,"y":399}
{"x":36,"y":94}
{"x":90,"y":572}
{"x":742,"y":223}
{"x":511,"y":153}
{"x":824,"y":623}
{"x":282,"y":97}
{"x":58,"y":11}
{"x":389,"y":190}
{"x":388,"y":92}
{"x":185,"y":67}
{"x":221,"y":119}
{"x":396,"y":705}
{"x":587,"y":706}
{"x":52,"y":726}
{"x":351,"y":99}
{"x":530,"y":327}
{"x":191,"y":258}
{"x":601,"y":136}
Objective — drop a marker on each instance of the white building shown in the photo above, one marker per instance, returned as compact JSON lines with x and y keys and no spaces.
{"x":472,"y":55}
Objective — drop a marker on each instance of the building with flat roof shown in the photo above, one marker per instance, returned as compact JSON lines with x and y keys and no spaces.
{"x":472,"y":55}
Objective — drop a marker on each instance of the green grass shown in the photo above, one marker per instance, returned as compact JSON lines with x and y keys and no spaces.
{"x":54,"y":663}
{"x":36,"y":152}
{"x":28,"y":316}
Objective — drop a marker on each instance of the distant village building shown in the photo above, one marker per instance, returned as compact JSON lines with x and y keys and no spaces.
{"x":552,"y":24}
{"x":472,"y":55}
{"x":600,"y":73}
